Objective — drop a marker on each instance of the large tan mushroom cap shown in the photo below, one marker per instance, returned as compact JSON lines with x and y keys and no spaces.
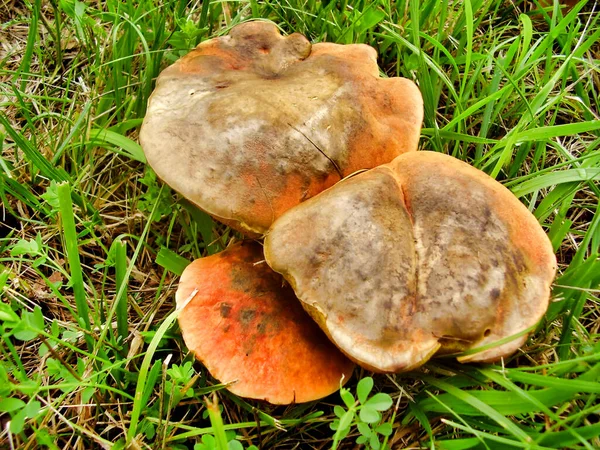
{"x":248,"y":125}
{"x":423,"y":255}
{"x":247,"y":328}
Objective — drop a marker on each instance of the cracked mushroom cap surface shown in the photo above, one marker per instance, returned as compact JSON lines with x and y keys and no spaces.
{"x":421,"y":256}
{"x":247,"y":328}
{"x":250,"y":124}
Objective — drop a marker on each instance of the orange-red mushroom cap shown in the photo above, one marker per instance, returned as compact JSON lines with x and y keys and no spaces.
{"x":250,"y":330}
{"x":249,"y":125}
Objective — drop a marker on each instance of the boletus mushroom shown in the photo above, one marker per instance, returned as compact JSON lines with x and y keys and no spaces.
{"x":249,"y":329}
{"x":251,"y":124}
{"x":421,"y":256}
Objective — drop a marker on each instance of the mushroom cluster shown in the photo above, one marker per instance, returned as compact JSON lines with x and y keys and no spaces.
{"x":418,"y":255}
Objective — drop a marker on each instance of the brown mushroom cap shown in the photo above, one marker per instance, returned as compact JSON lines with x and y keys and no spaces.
{"x":250,"y":124}
{"x":245,"y":326}
{"x":423,"y":255}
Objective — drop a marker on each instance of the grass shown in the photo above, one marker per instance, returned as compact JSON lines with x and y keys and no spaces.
{"x":91,"y":244}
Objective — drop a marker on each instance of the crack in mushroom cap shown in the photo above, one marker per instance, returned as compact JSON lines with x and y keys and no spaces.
{"x":248,"y":328}
{"x":420,"y":256}
{"x":248,"y":125}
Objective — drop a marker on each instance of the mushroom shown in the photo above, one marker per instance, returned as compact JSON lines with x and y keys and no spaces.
{"x":250,"y":330}
{"x":421,"y":256}
{"x":249,"y":125}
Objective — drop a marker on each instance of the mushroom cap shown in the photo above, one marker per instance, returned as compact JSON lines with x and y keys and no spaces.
{"x":247,"y":328}
{"x":421,"y":256}
{"x":249,"y":125}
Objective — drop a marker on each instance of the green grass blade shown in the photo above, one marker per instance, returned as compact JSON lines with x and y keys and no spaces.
{"x":565,"y":439}
{"x":555,"y":178}
{"x":71,"y":245}
{"x":32,"y":154}
{"x":80,"y":120}
{"x":481,"y":406}
{"x":214,"y":414}
{"x":138,"y":405}
{"x":171,"y":261}
{"x":130,"y":148}
{"x":31,"y":41}
{"x":121,"y":271}
{"x":559,"y":383}
{"x":549,"y":132}
{"x":506,"y":443}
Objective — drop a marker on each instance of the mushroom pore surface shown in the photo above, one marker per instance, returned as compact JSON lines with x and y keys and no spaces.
{"x":249,"y":125}
{"x":420,"y":256}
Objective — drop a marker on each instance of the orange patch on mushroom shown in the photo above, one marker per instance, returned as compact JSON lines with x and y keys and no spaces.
{"x":247,"y":328}
{"x":426,"y":254}
{"x":249,"y":125}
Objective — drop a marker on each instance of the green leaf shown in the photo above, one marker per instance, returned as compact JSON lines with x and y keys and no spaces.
{"x":45,"y":439}
{"x":346,"y":421}
{"x":362,"y":439}
{"x":374,"y":442}
{"x":25,"y":247}
{"x":335,"y":424}
{"x":235,"y":445}
{"x":17,"y":422}
{"x":368,"y":414}
{"x":347,"y":397}
{"x":87,"y":394}
{"x":11,"y":404}
{"x":363,"y":389}
{"x":148,"y":429}
{"x":339,"y":411}
{"x":380,"y":402}
{"x":5,"y":387}
{"x":364,"y":429}
{"x":7,"y":315}
{"x":30,"y":325}
{"x":4,"y":274}
{"x":51,"y":196}
{"x":369,"y":19}
{"x":33,"y":409}
{"x":385,"y":429}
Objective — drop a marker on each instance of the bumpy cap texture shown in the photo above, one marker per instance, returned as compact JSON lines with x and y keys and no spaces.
{"x":249,"y":125}
{"x":421,"y":256}
{"x":249,"y":329}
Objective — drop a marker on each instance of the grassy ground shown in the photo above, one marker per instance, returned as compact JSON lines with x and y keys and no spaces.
{"x":91,"y":243}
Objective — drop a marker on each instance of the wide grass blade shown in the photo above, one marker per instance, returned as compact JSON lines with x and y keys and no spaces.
{"x":171,"y":261}
{"x":127,"y":146}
